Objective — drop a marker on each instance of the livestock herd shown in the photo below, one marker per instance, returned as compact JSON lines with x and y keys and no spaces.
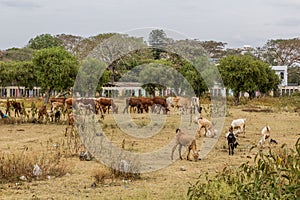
{"x":102,"y":105}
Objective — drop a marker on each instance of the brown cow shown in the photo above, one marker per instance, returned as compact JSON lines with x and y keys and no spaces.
{"x":161,"y":103}
{"x":16,"y":105}
{"x":133,"y":102}
{"x":42,"y":111}
{"x":57,"y":99}
{"x":106,"y":103}
{"x":146,"y":103}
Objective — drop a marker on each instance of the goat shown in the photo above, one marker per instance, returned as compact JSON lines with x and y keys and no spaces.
{"x":239,"y":124}
{"x":185,"y":140}
{"x":263,"y":139}
{"x":231,"y":139}
{"x":265,"y":130}
{"x":206,"y":124}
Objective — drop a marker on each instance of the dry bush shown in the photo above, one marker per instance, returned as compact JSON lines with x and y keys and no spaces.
{"x":101,"y":175}
{"x":15,"y":165}
{"x":71,"y":145}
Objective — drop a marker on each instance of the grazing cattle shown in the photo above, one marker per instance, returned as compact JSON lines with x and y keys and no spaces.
{"x":82,"y":103}
{"x":71,"y":122}
{"x":41,"y":112}
{"x":184,"y":104}
{"x":16,"y":106}
{"x":133,"y":102}
{"x":57,"y":99}
{"x":185,"y":140}
{"x":206,"y":124}
{"x":146,"y":103}
{"x":106,"y":103}
{"x":57,"y":105}
{"x":161,"y":103}
{"x":239,"y":124}
{"x":231,"y":139}
{"x":69,"y":103}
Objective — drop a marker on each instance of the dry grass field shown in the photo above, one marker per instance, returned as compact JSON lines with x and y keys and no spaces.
{"x":168,"y":183}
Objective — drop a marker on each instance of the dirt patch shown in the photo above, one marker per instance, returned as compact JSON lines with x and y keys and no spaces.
{"x":257,"y":110}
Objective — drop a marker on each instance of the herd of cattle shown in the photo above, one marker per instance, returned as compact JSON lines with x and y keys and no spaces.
{"x":102,"y":105}
{"x":139,"y":105}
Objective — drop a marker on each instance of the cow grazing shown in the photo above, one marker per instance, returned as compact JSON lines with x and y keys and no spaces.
{"x":185,"y":140}
{"x":146,"y":103}
{"x":57,"y":105}
{"x":105,"y":104}
{"x":42,"y":112}
{"x":16,"y":106}
{"x":161,"y":103}
{"x":133,"y":102}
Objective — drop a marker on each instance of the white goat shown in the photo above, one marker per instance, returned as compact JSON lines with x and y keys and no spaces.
{"x":188,"y":141}
{"x":263,"y":139}
{"x":239,"y":124}
{"x":265,"y":130}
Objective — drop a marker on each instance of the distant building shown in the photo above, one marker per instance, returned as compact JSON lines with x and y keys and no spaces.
{"x":284,"y":87}
{"x":281,"y":71}
{"x":15,"y":91}
{"x":123,"y":89}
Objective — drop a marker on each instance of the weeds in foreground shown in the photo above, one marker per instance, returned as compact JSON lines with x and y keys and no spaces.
{"x":275,"y":175}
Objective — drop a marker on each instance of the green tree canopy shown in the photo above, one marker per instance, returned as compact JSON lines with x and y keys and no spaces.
{"x":243,"y":73}
{"x":56,"y":69}
{"x":18,"y":74}
{"x":16,"y":54}
{"x":44,"y":41}
{"x":91,"y":77}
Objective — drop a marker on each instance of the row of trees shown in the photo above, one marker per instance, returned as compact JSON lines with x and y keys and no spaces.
{"x":52,"y":62}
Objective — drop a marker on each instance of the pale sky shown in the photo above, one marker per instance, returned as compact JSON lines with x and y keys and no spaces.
{"x":237,"y":22}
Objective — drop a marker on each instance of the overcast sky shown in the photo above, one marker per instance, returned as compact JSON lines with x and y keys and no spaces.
{"x":237,"y":22}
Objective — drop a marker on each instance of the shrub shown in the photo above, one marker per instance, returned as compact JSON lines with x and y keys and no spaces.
{"x":275,"y":175}
{"x":15,"y":165}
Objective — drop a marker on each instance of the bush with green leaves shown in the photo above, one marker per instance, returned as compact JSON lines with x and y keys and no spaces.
{"x":274,"y":175}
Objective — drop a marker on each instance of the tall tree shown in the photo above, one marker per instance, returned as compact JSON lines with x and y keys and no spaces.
{"x":91,"y":77}
{"x":115,"y":48}
{"x":214,"y":49}
{"x":44,"y":41}
{"x":243,"y":73}
{"x":16,"y":54}
{"x":56,"y":69}
{"x":158,"y":40}
{"x":282,"y":51}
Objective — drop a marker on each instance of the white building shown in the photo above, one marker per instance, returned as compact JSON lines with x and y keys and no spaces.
{"x":281,"y":71}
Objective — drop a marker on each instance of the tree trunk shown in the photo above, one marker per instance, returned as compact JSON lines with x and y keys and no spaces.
{"x":236,"y":98}
{"x":46,"y":98}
